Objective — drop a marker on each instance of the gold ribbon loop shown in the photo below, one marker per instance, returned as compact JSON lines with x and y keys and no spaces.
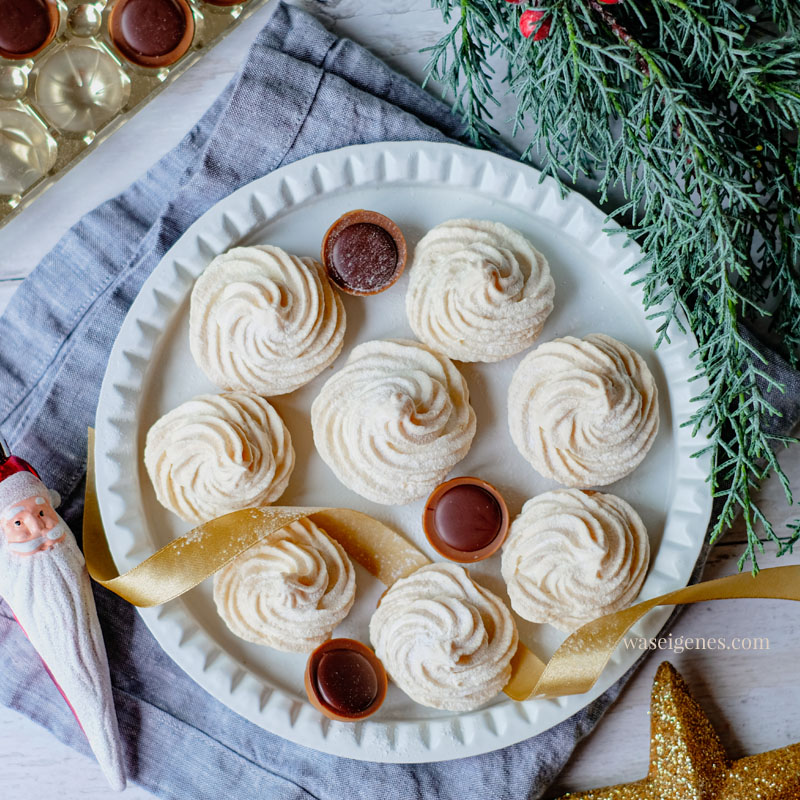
{"x":186,"y":562}
{"x":582,"y":657}
{"x":574,"y":668}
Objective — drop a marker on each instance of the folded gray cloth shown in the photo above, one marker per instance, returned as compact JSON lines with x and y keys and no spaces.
{"x":301,"y":91}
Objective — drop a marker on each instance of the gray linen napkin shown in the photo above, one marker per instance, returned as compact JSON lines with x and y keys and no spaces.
{"x":301,"y":91}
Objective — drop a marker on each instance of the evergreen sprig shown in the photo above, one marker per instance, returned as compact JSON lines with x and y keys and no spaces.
{"x":689,"y":109}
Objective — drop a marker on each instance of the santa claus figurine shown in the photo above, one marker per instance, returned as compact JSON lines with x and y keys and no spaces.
{"x":43,"y":579}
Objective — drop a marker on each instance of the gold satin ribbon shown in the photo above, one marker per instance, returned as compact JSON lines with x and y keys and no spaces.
{"x":185,"y":562}
{"x":578,"y":662}
{"x":574,"y":668}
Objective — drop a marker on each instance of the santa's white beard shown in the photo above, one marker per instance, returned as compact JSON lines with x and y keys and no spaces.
{"x":50,"y":595}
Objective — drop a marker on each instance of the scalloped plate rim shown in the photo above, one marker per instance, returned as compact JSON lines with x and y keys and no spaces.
{"x":181,"y":635}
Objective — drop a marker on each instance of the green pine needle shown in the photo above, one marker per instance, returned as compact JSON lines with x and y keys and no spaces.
{"x":689,"y":109}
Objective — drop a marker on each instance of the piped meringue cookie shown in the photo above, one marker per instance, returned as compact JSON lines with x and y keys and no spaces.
{"x":289,"y":591}
{"x":445,"y":641}
{"x":393,"y":421}
{"x":219,"y":453}
{"x":264,"y":321}
{"x":479,"y":290}
{"x":572,"y":556}
{"x":583,"y":411}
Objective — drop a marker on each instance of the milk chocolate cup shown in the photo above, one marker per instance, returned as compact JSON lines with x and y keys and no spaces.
{"x":30,"y":30}
{"x":369,"y":275}
{"x":469,"y":553}
{"x":312,"y":687}
{"x":147,"y":40}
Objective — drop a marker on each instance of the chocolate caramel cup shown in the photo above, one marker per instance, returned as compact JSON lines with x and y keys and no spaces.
{"x":345,"y":680}
{"x":364,"y":252}
{"x":465,"y":519}
{"x":151,"y":33}
{"x":26,"y":27}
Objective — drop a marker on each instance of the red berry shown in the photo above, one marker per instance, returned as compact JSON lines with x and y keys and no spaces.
{"x":527,"y":24}
{"x":610,"y":2}
{"x":516,"y":2}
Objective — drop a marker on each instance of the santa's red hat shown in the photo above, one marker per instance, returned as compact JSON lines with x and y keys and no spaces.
{"x":18,"y":481}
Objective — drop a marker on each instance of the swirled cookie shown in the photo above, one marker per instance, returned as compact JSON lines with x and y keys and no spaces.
{"x":218,"y":453}
{"x":289,"y":591}
{"x":444,"y":640}
{"x":264,"y":321}
{"x":479,"y":290}
{"x":572,"y":556}
{"x":583,"y":411}
{"x":393,"y":421}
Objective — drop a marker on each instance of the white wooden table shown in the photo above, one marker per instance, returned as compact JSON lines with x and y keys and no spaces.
{"x":752,"y":697}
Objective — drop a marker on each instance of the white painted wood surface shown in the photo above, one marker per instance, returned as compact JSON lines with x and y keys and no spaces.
{"x":752,"y":697}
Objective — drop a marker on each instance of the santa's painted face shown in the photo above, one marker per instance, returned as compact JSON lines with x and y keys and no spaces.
{"x":31,"y":525}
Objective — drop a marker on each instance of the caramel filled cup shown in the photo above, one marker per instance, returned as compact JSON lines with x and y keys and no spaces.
{"x":26,"y":27}
{"x":466,"y":519}
{"x":364,"y":252}
{"x":151,"y":33}
{"x":345,"y":680}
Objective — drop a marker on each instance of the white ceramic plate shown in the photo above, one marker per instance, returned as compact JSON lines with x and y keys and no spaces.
{"x":418,"y":185}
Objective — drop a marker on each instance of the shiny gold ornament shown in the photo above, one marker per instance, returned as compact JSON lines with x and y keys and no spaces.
{"x":688,"y":761}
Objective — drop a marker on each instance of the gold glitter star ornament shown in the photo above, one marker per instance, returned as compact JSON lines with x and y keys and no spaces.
{"x":688,"y":761}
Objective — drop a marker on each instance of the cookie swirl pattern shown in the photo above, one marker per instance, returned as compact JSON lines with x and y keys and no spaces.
{"x":264,"y":321}
{"x":289,"y":591}
{"x":583,"y":412}
{"x":479,"y":290}
{"x":444,"y":640}
{"x":218,"y":453}
{"x":572,"y":556}
{"x":393,"y":421}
